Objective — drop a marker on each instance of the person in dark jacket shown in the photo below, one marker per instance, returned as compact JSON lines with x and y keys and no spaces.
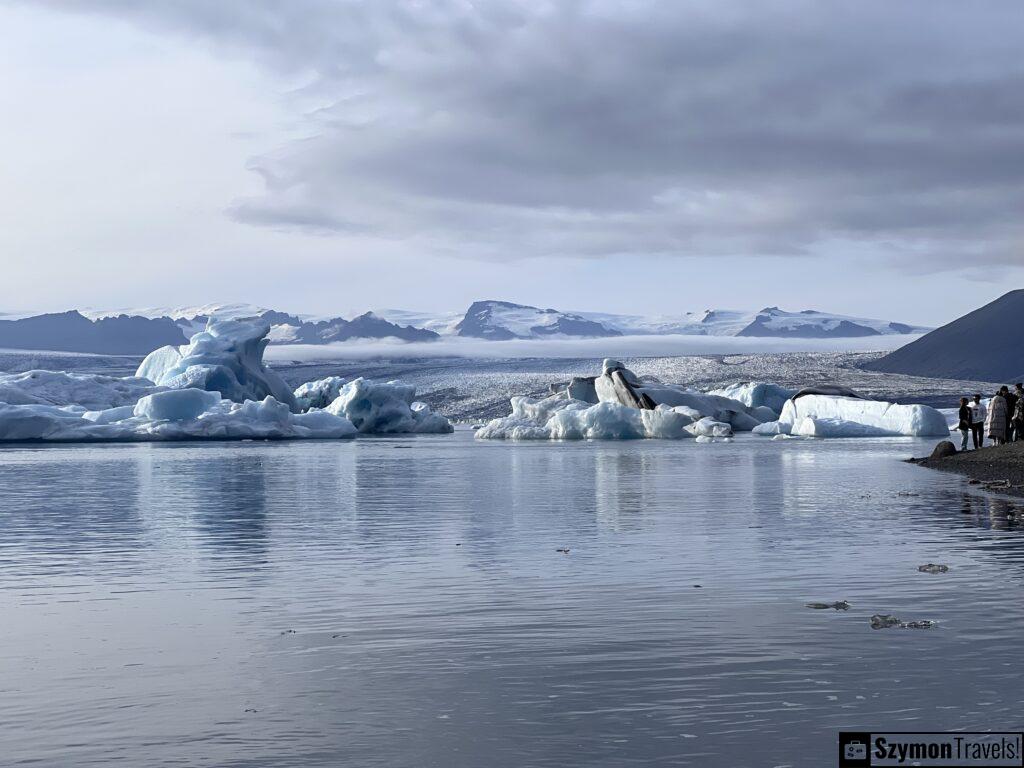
{"x":1017,"y":420}
{"x":965,"y":422}
{"x":978,"y":414}
{"x":1011,"y":408}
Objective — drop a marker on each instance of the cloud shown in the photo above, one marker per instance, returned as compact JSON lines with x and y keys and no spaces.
{"x":588,"y":128}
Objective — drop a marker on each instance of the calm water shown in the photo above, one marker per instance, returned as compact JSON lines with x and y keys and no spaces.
{"x":400,"y":602}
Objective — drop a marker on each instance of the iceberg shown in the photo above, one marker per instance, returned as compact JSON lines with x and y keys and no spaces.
{"x":756,"y":394}
{"x":227,"y":358}
{"x":386,"y":408}
{"x":319,"y":393}
{"x":559,"y":417}
{"x":58,"y":388}
{"x":829,"y":416}
{"x":184,"y":414}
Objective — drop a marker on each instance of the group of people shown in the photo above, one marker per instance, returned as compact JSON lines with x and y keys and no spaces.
{"x":1002,"y":421}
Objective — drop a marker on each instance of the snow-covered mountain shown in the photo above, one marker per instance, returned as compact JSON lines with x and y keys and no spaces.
{"x":135,"y":331}
{"x":503,"y":320}
{"x":286,"y":328}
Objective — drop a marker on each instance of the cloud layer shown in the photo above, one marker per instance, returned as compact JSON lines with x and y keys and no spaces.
{"x":501,"y":130}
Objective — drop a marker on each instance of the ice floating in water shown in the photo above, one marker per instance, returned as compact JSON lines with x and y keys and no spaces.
{"x":829,"y":416}
{"x":216,"y":387}
{"x":171,"y":415}
{"x":227,"y":357}
{"x":386,"y":408}
{"x":560,"y":418}
{"x":755,"y":394}
{"x":319,"y":393}
{"x":618,"y":405}
{"x":59,"y":388}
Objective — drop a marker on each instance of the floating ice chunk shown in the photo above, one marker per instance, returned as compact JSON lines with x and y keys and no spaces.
{"x":171,"y":415}
{"x":227,"y":357}
{"x":708,"y":427}
{"x":827,"y":416}
{"x":91,"y":391}
{"x":754,"y":394}
{"x":320,"y":393}
{"x":386,"y":408}
{"x":110,"y":415}
{"x":176,"y":404}
{"x":559,"y":418}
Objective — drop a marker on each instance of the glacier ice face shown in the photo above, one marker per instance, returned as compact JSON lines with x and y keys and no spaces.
{"x":386,"y":408}
{"x":319,"y":393}
{"x":227,"y":358}
{"x":91,"y":391}
{"x":827,"y":416}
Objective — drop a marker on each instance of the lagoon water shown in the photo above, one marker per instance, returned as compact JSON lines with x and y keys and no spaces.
{"x":402,"y":602}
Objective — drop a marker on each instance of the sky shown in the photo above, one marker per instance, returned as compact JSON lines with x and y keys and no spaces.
{"x":634,"y":156}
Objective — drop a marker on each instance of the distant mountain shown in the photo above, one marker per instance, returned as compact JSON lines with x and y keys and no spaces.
{"x":73,"y":332}
{"x":984,"y":345}
{"x":287,"y":328}
{"x":291,"y":330}
{"x":768,"y":322}
{"x":503,"y":320}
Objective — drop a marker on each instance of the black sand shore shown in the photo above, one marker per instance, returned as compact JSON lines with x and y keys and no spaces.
{"x":999,"y":468}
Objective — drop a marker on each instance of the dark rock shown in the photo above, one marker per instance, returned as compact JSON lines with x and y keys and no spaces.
{"x":943,"y":449}
{"x":933,"y":568}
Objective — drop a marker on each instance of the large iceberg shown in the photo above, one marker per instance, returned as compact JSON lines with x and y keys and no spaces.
{"x":830,"y":416}
{"x":59,"y":388}
{"x":386,"y":408}
{"x":560,"y":418}
{"x":227,"y":358}
{"x":182,"y":414}
{"x":215,"y":388}
{"x":619,"y":405}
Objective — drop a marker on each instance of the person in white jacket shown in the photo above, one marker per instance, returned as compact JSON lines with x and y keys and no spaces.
{"x":978,"y":414}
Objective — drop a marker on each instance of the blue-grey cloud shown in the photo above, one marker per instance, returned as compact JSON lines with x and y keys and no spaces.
{"x":591,"y":127}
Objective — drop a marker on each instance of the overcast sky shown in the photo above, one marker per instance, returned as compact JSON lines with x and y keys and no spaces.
{"x":619,"y":155}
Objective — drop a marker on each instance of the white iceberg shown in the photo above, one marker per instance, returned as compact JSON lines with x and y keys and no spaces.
{"x":560,"y":418}
{"x":183,"y":414}
{"x":757,"y":394}
{"x":386,"y":408}
{"x":58,"y":388}
{"x":319,"y":393}
{"x":227,"y":358}
{"x":829,"y":416}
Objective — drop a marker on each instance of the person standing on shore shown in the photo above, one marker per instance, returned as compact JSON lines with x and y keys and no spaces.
{"x":995,"y":424}
{"x":965,"y":422}
{"x":978,"y":414}
{"x":1017,"y":415}
{"x":1011,"y":409}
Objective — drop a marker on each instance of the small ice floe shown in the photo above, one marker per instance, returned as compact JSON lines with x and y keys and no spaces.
{"x":884,"y":621}
{"x":839,"y":605}
{"x":933,"y":568}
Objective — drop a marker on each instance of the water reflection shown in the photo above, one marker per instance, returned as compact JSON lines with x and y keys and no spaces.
{"x":402,"y":602}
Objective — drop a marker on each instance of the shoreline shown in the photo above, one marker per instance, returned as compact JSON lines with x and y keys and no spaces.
{"x":999,"y":468}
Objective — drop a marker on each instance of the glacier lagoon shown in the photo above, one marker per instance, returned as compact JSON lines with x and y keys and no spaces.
{"x":402,"y":600}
